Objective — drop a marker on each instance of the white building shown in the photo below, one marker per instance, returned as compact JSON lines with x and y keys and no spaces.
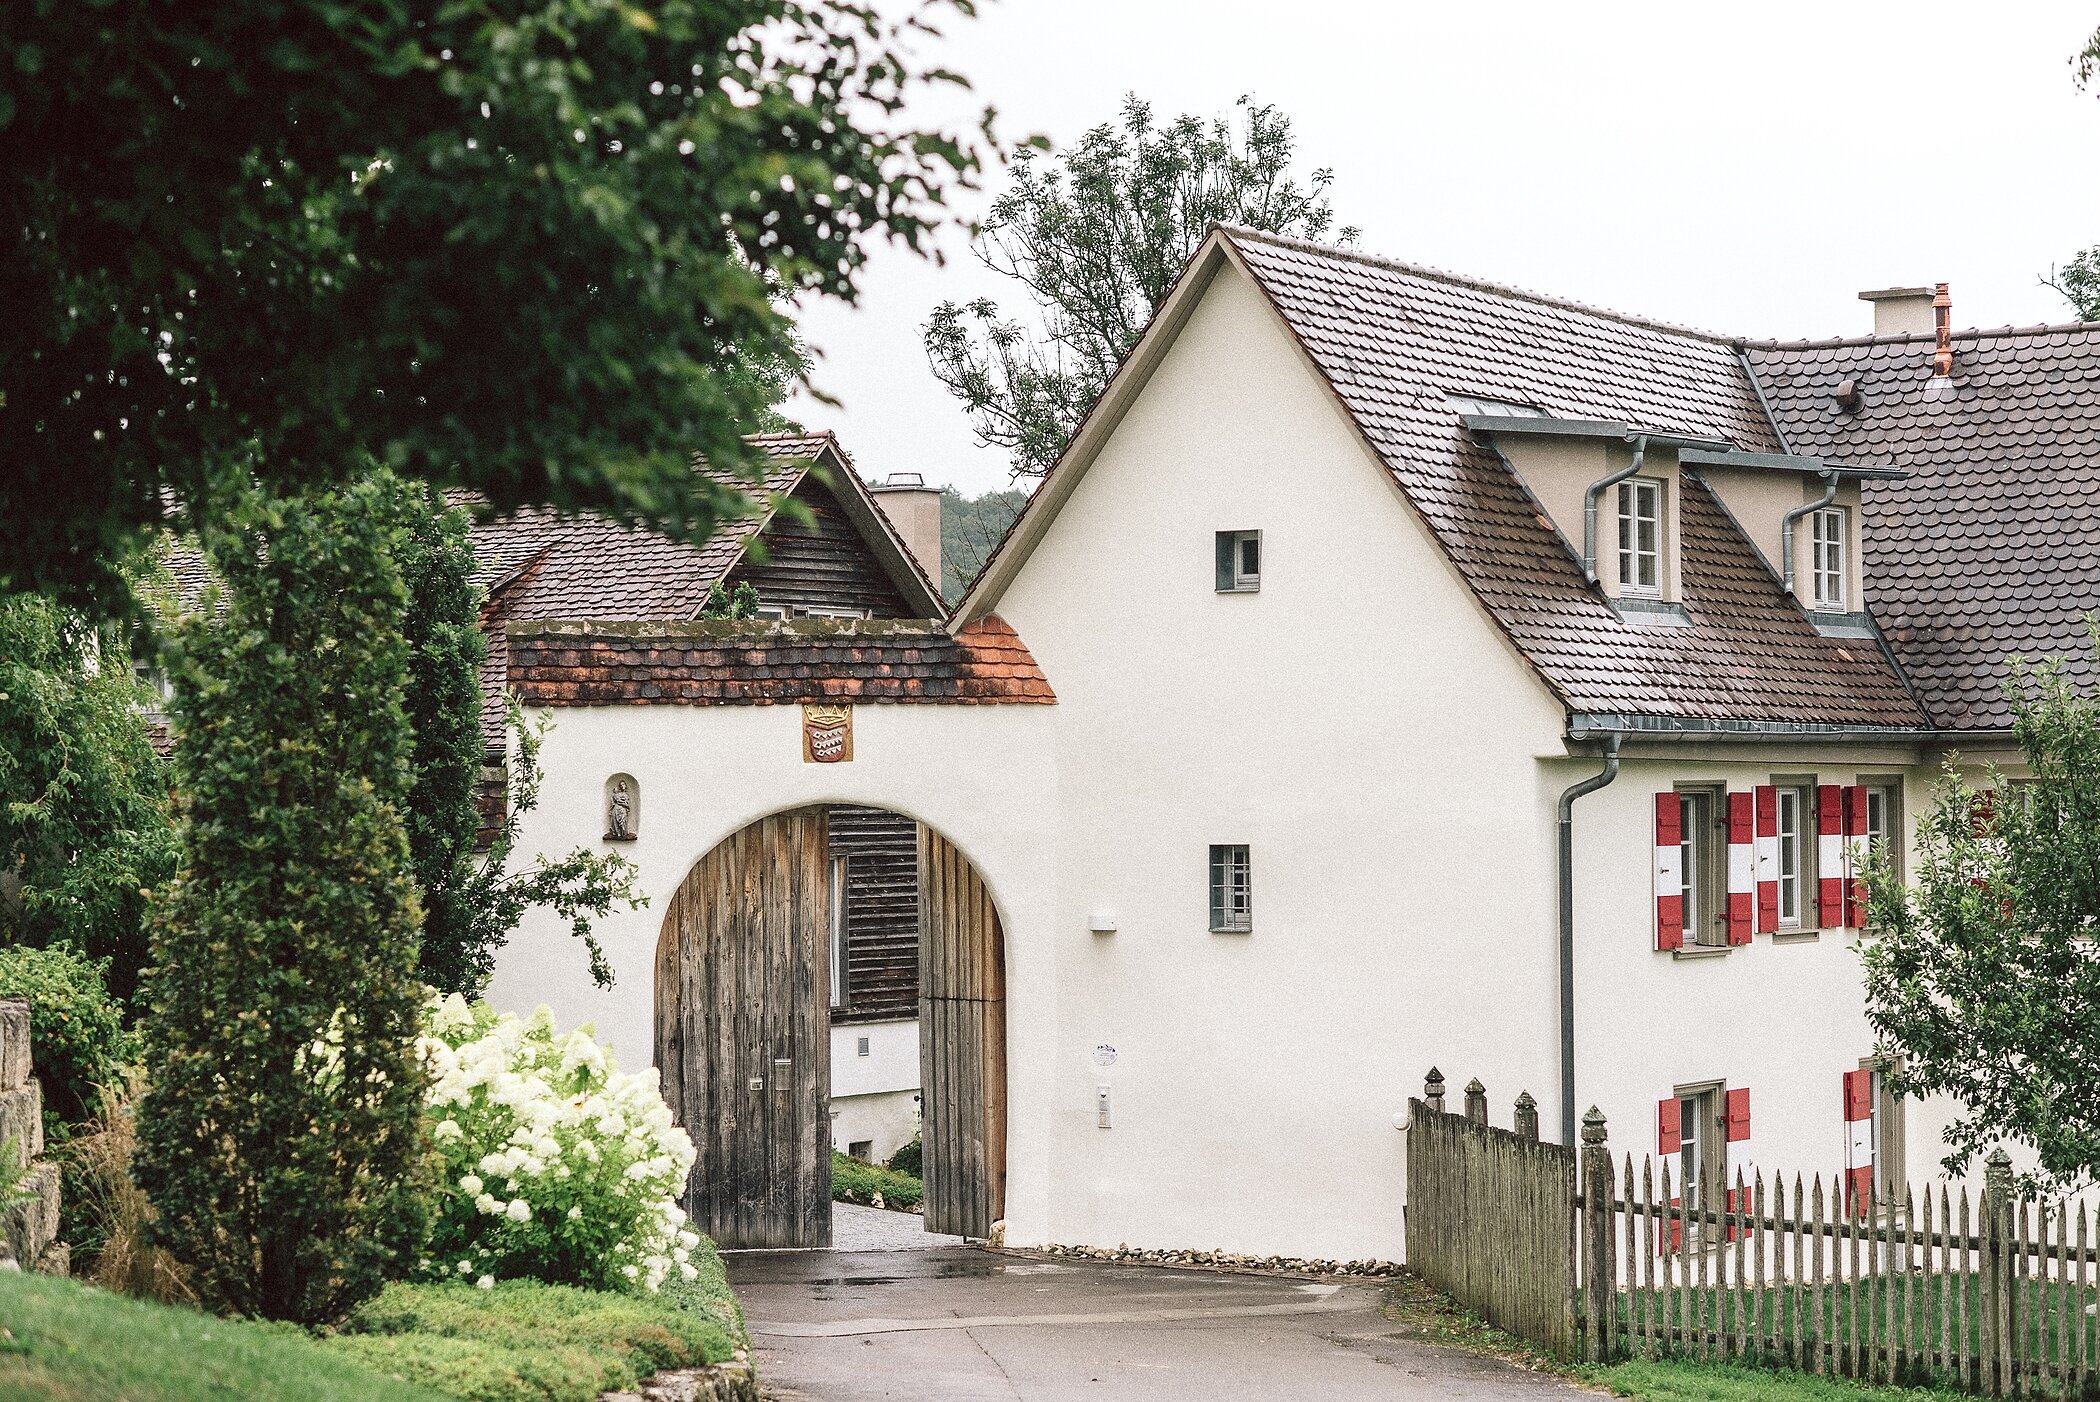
{"x":1358,"y":576}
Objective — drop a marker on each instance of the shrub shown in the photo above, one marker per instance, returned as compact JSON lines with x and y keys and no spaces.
{"x":524,"y":1341}
{"x":855,"y":1181}
{"x":76,"y":1029}
{"x":280,"y":1139}
{"x":909,"y":1159}
{"x":555,"y":1165}
{"x":85,"y":831}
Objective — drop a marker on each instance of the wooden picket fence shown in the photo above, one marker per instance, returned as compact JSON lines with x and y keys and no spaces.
{"x":1997,"y":1296}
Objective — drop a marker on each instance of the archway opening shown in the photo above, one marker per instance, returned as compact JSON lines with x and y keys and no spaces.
{"x":798,"y":947}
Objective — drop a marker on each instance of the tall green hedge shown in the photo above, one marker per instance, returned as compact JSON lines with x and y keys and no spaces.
{"x":279,"y":1139}
{"x":444,"y":712}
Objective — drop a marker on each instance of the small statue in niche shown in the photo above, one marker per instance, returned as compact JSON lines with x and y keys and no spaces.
{"x":619,"y":809}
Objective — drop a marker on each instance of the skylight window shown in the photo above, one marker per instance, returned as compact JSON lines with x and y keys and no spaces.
{"x":1474,"y":405}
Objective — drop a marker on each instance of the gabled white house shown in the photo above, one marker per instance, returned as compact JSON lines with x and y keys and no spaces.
{"x":1400,"y":670}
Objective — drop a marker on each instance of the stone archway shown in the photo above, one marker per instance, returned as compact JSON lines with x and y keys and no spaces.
{"x":742,"y":1033}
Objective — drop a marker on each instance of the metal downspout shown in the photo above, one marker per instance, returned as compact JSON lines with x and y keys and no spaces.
{"x":1589,"y":504}
{"x":1786,"y":527}
{"x":1567,"y":931}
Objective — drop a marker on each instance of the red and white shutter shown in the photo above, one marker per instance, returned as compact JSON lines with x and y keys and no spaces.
{"x":1830,"y":857}
{"x":1856,"y":857}
{"x":1669,"y":1143}
{"x":1669,"y":871}
{"x":1742,"y":893}
{"x":1736,"y":1119}
{"x":1859,"y":1139}
{"x":1767,"y":858}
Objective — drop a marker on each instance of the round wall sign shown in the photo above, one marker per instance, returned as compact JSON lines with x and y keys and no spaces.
{"x":1104,"y":1055}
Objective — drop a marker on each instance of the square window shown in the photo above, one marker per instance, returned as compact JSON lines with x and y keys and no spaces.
{"x":1828,"y":572}
{"x":1239,"y":562}
{"x":862,"y":1149}
{"x":1640,"y":536}
{"x":1231,"y":889}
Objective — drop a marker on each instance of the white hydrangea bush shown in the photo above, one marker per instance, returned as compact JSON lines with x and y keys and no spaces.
{"x":555,"y":1165}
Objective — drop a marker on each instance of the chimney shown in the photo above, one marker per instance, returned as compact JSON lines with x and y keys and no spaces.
{"x":914,"y":512}
{"x":1904,"y":311}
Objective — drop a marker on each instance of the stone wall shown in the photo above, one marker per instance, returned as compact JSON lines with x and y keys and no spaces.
{"x":29,"y":1233}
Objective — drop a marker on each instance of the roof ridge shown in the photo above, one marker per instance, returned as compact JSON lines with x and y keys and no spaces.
{"x":1971,"y":333}
{"x":1499,"y":289}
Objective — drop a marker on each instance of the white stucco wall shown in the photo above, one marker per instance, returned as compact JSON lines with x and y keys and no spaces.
{"x":982,"y":775}
{"x":1362,"y":728}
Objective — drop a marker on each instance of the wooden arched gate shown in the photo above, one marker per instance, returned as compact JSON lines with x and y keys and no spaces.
{"x":743,"y":1034}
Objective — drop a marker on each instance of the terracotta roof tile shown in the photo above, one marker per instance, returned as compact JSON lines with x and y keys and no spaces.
{"x":1395,"y":341}
{"x":1990,"y":549}
{"x":552,"y":663}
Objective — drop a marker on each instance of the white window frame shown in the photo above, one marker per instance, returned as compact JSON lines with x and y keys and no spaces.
{"x":1700,"y":850}
{"x":829,"y":611}
{"x":775,"y":612}
{"x":838,"y":931}
{"x":1827,"y":557}
{"x":1231,"y":888}
{"x":1797,"y":850}
{"x":1634,"y":494}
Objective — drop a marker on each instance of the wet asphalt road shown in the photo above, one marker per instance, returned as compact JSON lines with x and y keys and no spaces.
{"x":954,"y":1322}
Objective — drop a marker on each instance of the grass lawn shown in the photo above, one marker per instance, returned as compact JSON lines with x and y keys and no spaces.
{"x":65,"y":1342}
{"x":527,"y":1342}
{"x":855,"y":1181}
{"x":1673,"y":1381}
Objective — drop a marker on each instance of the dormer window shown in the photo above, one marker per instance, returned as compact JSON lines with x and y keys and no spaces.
{"x":1828,"y":582}
{"x":1640,"y":536}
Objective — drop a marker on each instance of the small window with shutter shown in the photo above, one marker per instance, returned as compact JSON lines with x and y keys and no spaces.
{"x":1231,"y":889}
{"x":1239,"y":562}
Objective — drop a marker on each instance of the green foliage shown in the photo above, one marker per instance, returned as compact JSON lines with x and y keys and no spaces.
{"x":738,"y":605}
{"x":75,"y":1026}
{"x":280,"y":1137}
{"x":85,"y":830}
{"x":68,"y":1342}
{"x":855,"y":1181}
{"x":2078,"y":281}
{"x":581,"y":887}
{"x":909,"y":1159}
{"x":971,"y":528}
{"x":553,"y":1164}
{"x":543,"y":249}
{"x":443,"y":701}
{"x":1985,"y":976}
{"x":1098,"y":238}
{"x":523,"y":1341}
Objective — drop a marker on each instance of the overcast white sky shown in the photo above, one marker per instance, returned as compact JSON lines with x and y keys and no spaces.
{"x":1746,"y":169}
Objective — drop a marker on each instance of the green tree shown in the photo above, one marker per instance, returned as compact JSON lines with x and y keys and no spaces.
{"x":445,"y":652}
{"x":279,"y":1140}
{"x":1097,"y":237}
{"x":85,"y":827}
{"x":1983,"y":976}
{"x":541,"y":249}
{"x":2078,"y":281}
{"x":971,"y":529}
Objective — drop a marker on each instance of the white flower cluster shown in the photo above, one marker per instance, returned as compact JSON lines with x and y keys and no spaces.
{"x":557,"y":1166}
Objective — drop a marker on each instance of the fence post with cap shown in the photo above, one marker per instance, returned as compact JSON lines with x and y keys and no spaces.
{"x":1598,"y":1274}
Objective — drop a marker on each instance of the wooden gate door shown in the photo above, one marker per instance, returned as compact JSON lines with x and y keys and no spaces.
{"x":962,"y":1043}
{"x":743,"y":1032}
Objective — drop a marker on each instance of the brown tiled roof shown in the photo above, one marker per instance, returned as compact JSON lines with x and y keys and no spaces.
{"x":771,"y":663}
{"x":1395,"y":340}
{"x":1990,"y":549}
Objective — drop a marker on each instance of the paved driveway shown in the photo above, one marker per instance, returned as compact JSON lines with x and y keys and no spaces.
{"x":954,"y":1322}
